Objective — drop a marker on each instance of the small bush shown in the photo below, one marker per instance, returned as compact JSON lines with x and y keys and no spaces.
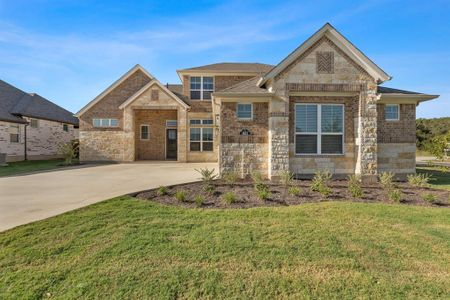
{"x":209,"y":188}
{"x":430,"y":198}
{"x":199,"y":200}
{"x":354,"y":186}
{"x":325,"y":191}
{"x":207,"y":176}
{"x":162,"y":190}
{"x":69,"y":151}
{"x":386,"y":180}
{"x":443,"y":169}
{"x":230,"y":177}
{"x":229,"y":198}
{"x":395,"y":195}
{"x":263,"y":194}
{"x":419,"y":180}
{"x":286,"y":178}
{"x":181,"y":195}
{"x":320,"y":179}
{"x":256,"y":177}
{"x":294,"y":191}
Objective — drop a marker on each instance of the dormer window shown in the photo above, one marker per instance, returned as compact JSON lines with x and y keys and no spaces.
{"x":201,"y":87}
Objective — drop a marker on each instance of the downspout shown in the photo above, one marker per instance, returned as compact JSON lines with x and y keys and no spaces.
{"x":25,"y":156}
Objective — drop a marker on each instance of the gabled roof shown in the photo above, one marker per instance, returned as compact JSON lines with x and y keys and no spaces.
{"x":232,"y":67}
{"x":113,"y":86}
{"x":249,"y":87}
{"x":15,"y":103}
{"x":154,"y":81}
{"x":345,"y":45}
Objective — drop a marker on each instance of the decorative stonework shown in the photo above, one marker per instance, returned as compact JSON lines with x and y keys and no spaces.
{"x":325,"y":62}
{"x":243,"y":158}
{"x":155,"y":95}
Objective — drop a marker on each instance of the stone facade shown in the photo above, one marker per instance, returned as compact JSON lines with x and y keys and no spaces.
{"x":399,"y":158}
{"x":43,"y":142}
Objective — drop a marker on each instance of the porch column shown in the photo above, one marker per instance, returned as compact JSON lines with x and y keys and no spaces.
{"x":278,"y":137}
{"x":182,"y":134}
{"x":366,"y":164}
{"x":128,"y":135}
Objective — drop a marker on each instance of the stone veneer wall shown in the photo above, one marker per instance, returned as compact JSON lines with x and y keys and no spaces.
{"x":399,"y":158}
{"x":42,"y":142}
{"x":102,"y":145}
{"x":337,"y":164}
{"x":244,"y":154}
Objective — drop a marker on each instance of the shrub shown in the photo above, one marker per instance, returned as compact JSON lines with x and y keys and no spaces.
{"x":419,"y":180}
{"x":429,"y":198}
{"x":286,"y":178}
{"x":386,"y":180}
{"x":395,"y":195}
{"x":230,"y":177}
{"x":437,"y":147}
{"x":256,"y":177}
{"x":69,"y":152}
{"x":263,"y":194}
{"x":181,"y":195}
{"x":209,"y":188}
{"x":199,"y":200}
{"x":320,"y":183}
{"x":229,"y":198}
{"x":162,"y":190}
{"x":294,"y":191}
{"x":354,"y":186}
{"x":207,"y":176}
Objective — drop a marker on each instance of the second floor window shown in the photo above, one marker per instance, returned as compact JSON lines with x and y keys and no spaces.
{"x":201,"y":87}
{"x":14,"y":131}
{"x":105,"y":122}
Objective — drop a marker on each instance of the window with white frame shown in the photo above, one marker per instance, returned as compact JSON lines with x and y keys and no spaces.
{"x":145,"y":132}
{"x":14,"y":133}
{"x":105,"y":122}
{"x":171,"y":123}
{"x":201,"y":122}
{"x":65,"y":127}
{"x":244,"y":111}
{"x":201,"y":87}
{"x":34,"y":123}
{"x":201,"y":139}
{"x":392,"y":112}
{"x":319,"y":128}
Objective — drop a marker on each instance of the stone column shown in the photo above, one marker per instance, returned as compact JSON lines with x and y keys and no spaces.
{"x":366,"y":164}
{"x":182,"y":134}
{"x":278,"y":138}
{"x":128,"y":135}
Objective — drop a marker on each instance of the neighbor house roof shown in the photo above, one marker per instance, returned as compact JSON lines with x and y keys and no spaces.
{"x":231,"y":67}
{"x":15,"y":103}
{"x":339,"y":40}
{"x":249,"y":87}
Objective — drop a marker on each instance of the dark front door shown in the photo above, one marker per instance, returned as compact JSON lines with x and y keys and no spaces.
{"x":171,"y":147}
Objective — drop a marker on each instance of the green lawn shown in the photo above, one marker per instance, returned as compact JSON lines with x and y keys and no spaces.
{"x":441,"y":177}
{"x":30,"y":166}
{"x":127,"y":248}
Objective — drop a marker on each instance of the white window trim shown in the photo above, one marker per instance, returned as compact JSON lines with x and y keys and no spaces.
{"x":398,"y":115}
{"x":37,"y":123}
{"x":140,"y":132}
{"x":68,"y":128}
{"x":251,"y":111}
{"x":319,"y":130}
{"x":201,"y":139}
{"x":19,"y":135}
{"x":109,"y":123}
{"x":201,"y":90}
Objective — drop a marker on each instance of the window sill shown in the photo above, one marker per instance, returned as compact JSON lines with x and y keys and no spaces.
{"x":319,"y":155}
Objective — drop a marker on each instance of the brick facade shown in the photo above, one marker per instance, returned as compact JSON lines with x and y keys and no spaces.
{"x":401,"y":131}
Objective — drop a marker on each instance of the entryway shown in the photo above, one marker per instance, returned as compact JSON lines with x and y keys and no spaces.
{"x":171,"y":144}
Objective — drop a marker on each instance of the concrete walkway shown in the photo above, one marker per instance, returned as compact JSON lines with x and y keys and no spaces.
{"x":25,"y":199}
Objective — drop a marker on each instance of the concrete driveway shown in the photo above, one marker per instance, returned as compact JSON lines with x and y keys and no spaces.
{"x":28,"y":198}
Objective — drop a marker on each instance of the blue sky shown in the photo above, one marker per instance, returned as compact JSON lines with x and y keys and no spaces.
{"x":71,"y":50}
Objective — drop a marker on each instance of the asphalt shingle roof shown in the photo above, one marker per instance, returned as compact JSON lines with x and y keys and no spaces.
{"x":388,"y":90}
{"x":248,"y":86}
{"x":233,"y":67}
{"x":15,"y":103}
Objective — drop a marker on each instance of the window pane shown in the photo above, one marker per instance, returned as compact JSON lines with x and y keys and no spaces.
{"x":195,"y":134}
{"x":144,"y":132}
{"x":207,"y":134}
{"x":66,"y":127}
{"x":207,"y":95}
{"x":195,"y":83}
{"x":195,"y":146}
{"x":96,"y":122}
{"x":306,"y":118}
{"x":332,"y":118}
{"x":171,"y":123}
{"x":207,"y":122}
{"x":208,"y":83}
{"x":207,"y":146}
{"x":114,"y":123}
{"x":391,"y":112}
{"x":195,"y":122}
{"x":104,"y":122}
{"x":332,"y":144}
{"x":34,"y":123}
{"x":195,"y":95}
{"x":244,"y":111}
{"x":305,"y":144}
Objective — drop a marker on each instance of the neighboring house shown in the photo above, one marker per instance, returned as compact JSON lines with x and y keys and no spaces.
{"x":31,"y":127}
{"x":320,"y":108}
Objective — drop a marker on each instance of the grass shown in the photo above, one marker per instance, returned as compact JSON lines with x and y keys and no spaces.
{"x":19,"y":167}
{"x":127,"y":248}
{"x":441,"y":178}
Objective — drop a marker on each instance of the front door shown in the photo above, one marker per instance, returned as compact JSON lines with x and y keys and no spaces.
{"x":171,"y":144}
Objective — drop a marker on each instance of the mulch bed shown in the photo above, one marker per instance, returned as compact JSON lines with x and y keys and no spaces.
{"x":247,"y":197}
